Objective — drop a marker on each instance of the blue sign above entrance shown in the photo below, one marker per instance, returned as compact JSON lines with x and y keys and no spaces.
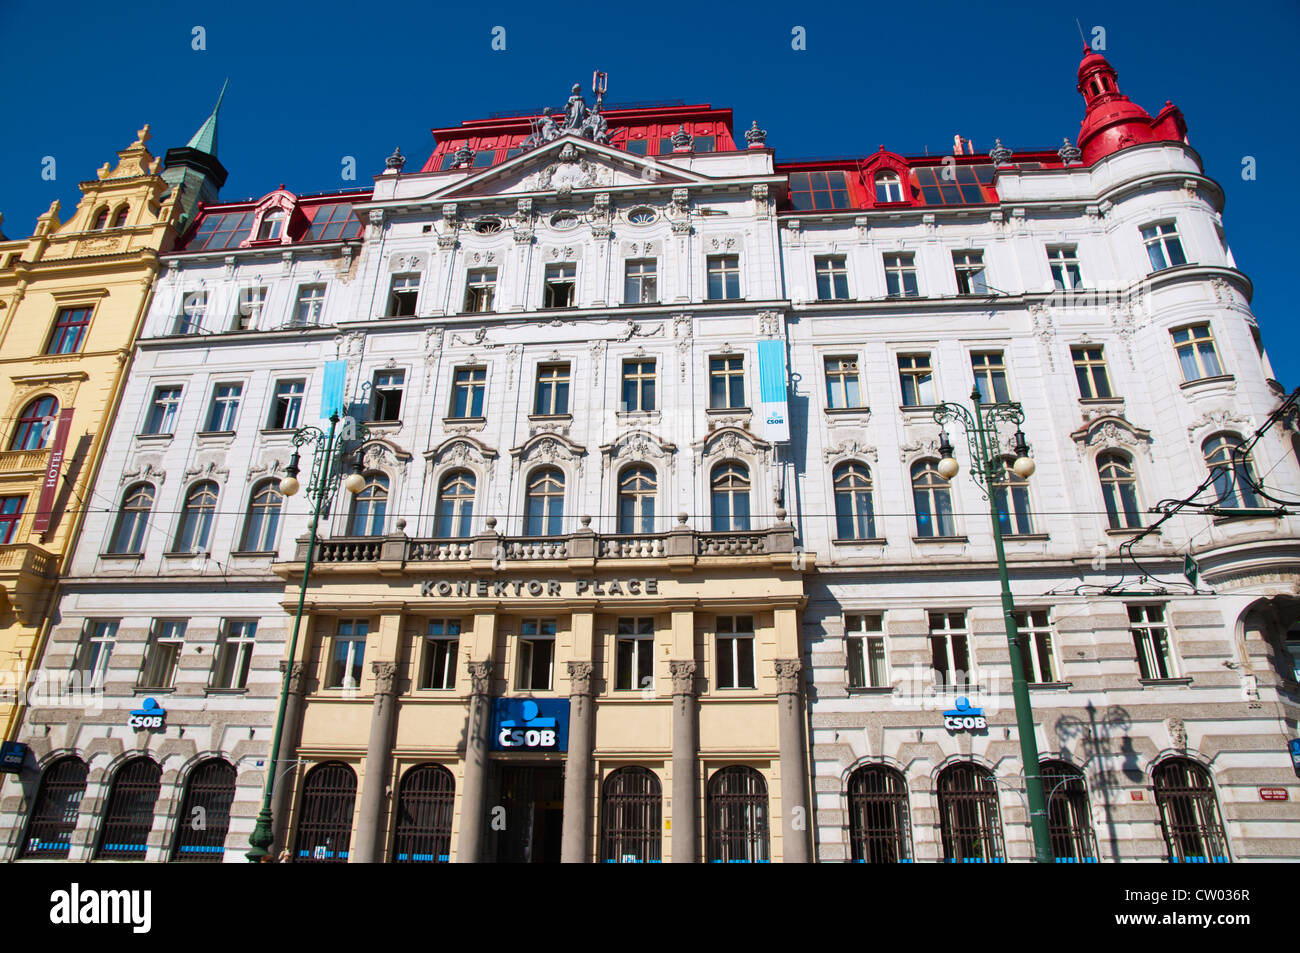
{"x":1295,"y":755}
{"x":530,"y":724}
{"x":12,"y":756}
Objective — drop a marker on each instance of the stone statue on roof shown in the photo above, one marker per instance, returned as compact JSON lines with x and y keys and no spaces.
{"x":596,"y":128}
{"x":575,"y":113}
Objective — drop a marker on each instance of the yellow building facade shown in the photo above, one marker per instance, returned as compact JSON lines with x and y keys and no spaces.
{"x":72,"y":297}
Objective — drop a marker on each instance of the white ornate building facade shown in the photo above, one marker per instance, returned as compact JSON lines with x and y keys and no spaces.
{"x":647,"y":555}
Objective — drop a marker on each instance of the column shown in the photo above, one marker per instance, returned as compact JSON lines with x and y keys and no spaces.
{"x":685,"y":745}
{"x":370,"y":826}
{"x":474,"y":784}
{"x":794,"y":771}
{"x":284,"y":761}
{"x":577,"y":767}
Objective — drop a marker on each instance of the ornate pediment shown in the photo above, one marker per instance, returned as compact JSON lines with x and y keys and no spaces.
{"x":1111,"y":430}
{"x":548,"y":448}
{"x":731,"y":441}
{"x":637,"y":445}
{"x":849,"y":449}
{"x":462,"y":451}
{"x":1215,"y":420}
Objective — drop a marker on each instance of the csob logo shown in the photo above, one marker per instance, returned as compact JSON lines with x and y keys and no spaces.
{"x":964,"y":717}
{"x":150,"y":717}
{"x":532,"y":730}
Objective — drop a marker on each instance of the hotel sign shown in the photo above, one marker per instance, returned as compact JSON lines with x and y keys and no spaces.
{"x":521,"y":588}
{"x":53,"y":469}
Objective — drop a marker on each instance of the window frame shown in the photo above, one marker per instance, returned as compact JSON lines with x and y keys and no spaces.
{"x":1063,"y":263}
{"x":286,"y":408}
{"x":732,"y":378}
{"x":546,"y":506}
{"x":235,"y":649}
{"x":725,"y":269}
{"x":738,"y":477}
{"x":1149,"y":638}
{"x":308,"y":306}
{"x":555,"y":380}
{"x":1116,"y":506}
{"x":949,"y":633}
{"x":1086,"y":369}
{"x":440,"y":650}
{"x":139,"y":520}
{"x":935,"y":513}
{"x":382,"y":395}
{"x":1037,"y":630}
{"x":728,"y":629}
{"x":560,"y":285}
{"x":480,"y":291}
{"x":257,"y":518}
{"x":1195,"y":346}
{"x":158,"y":648}
{"x":1165,"y":238}
{"x":913,"y":371}
{"x":901,"y":269}
{"x":350,"y":668}
{"x":163,"y":411}
{"x":58,"y":342}
{"x":455,"y":512}
{"x":227,"y":401}
{"x":372,"y":509}
{"x":851,"y":480}
{"x":971,"y":272}
{"x":640,"y":382}
{"x":403,"y":295}
{"x":988,"y":370}
{"x":526,"y":661}
{"x":474,"y":388}
{"x":197,"y":517}
{"x":863,"y":633}
{"x":646,"y":282}
{"x":12,"y":509}
{"x":638,"y":632}
{"x":834,"y":269}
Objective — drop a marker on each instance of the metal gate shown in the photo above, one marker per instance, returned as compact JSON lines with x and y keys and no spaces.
{"x":54,"y":812}
{"x":1189,"y":813}
{"x":424,"y":807}
{"x":878,"y":822}
{"x":205,"y":814}
{"x":968,"y":815}
{"x":129,"y":818}
{"x":1069,"y":818}
{"x":325,"y":817}
{"x":738,"y":823}
{"x":631,"y":817}
{"x":533,"y":798}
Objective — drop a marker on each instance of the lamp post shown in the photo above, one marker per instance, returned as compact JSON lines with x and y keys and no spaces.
{"x":326,"y":466}
{"x":987,"y":470}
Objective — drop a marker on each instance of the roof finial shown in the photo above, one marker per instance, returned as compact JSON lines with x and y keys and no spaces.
{"x":1086,"y":47}
{"x":205,"y":140}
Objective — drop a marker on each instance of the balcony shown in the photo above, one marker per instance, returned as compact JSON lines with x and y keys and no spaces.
{"x":27,"y":574}
{"x":24,"y":461}
{"x":680,"y":549}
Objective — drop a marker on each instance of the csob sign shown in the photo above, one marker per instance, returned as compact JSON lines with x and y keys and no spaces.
{"x":12,"y":756}
{"x":530,"y":724}
{"x":148,"y":717}
{"x":965,"y":718}
{"x":1294,"y":744}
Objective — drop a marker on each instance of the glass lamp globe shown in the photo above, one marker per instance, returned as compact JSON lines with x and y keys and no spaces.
{"x":948,"y":467}
{"x":1024,"y":467}
{"x":289,"y":486}
{"x":355,"y":483}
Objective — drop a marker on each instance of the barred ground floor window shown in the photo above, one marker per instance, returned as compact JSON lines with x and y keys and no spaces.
{"x":737,"y":816}
{"x":968,"y":815}
{"x":205,"y":813}
{"x":631,"y":817}
{"x":53,"y":816}
{"x":329,"y":793}
{"x":1189,"y":813}
{"x":1069,"y":816}
{"x":129,"y":816}
{"x":424,"y":808}
{"x":879,"y":830}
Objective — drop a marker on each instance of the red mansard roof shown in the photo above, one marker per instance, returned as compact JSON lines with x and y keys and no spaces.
{"x":305,"y":219}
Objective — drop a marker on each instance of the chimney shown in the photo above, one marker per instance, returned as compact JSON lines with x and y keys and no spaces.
{"x":956,"y":144}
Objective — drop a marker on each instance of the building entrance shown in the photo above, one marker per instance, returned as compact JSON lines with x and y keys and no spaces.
{"x":533,"y":798}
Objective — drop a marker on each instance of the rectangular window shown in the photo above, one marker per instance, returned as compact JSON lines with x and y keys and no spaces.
{"x":1151,"y":641}
{"x":1196,"y":354}
{"x":480,"y":289}
{"x":69,"y":331}
{"x":945,"y":185}
{"x":11,"y":514}
{"x":640,"y":281}
{"x":843,"y":385}
{"x":815,"y":190}
{"x":234,"y":654}
{"x":1164,"y":247}
{"x":402,"y":295}
{"x":162,"y":653}
{"x":724,"y":277}
{"x":386,"y":395}
{"x":969,"y":266}
{"x":552,"y":390}
{"x":311,"y":304}
{"x":950,"y":651}
{"x":900,"y":275}
{"x":97,"y":641}
{"x":635,"y":654}
{"x":248,"y":311}
{"x":864,"y":641}
{"x":438,"y":663}
{"x":286,"y":409}
{"x":163,"y":410}
{"x":832,"y":277}
{"x":916,"y":379}
{"x":726,"y":382}
{"x":638,"y":147}
{"x":735,"y":651}
{"x":225,"y":408}
{"x":536,"y":655}
{"x":1064,"y":262}
{"x":638,"y":386}
{"x":468,"y":387}
{"x":1090,"y":371}
{"x":193,"y":307}
{"x":990,"y":376}
{"x":1036,"y":645}
{"x":561,"y":281}
{"x":347,"y":654}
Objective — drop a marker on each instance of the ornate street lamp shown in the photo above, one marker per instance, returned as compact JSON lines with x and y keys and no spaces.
{"x":987,"y":471}
{"x":327,"y":465}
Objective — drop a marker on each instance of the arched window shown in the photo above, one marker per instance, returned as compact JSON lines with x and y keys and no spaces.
{"x":205,"y":813}
{"x":544,"y":506}
{"x":932,"y":497}
{"x":128,"y":537}
{"x":119,"y":220}
{"x":1011,"y":493}
{"x":1232,"y":471}
{"x":1119,"y":490}
{"x":968,"y":815}
{"x":272,"y":222}
{"x":888,"y":187}
{"x":1189,"y":813}
{"x":129,"y":817}
{"x":262,"y":525}
{"x":855,"y":518}
{"x":424,"y":806}
{"x":879,"y":831}
{"x":730,"y":496}
{"x":101,"y":219}
{"x":455,"y":505}
{"x":35,"y":424}
{"x":53,"y":816}
{"x":636,"y":500}
{"x":196,"y":518}
{"x":369,"y":507}
{"x":737,"y":816}
{"x":631,"y":817}
{"x":329,"y":793}
{"x":1069,"y":819}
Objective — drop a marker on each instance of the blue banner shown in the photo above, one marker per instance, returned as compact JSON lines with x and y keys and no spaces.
{"x":773,"y":412}
{"x":530,"y":724}
{"x":335,"y":380}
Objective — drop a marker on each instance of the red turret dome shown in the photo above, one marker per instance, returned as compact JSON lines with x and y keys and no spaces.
{"x":1112,"y":121}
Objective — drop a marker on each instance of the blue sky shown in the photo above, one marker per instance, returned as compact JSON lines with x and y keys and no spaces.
{"x":313,"y":83}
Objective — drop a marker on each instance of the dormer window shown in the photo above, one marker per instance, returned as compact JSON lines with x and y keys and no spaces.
{"x":888,"y":188}
{"x":119,"y":220}
{"x":272,"y":225}
{"x":101,"y":220}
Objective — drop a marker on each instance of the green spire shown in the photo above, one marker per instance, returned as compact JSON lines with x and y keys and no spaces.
{"x":205,"y":140}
